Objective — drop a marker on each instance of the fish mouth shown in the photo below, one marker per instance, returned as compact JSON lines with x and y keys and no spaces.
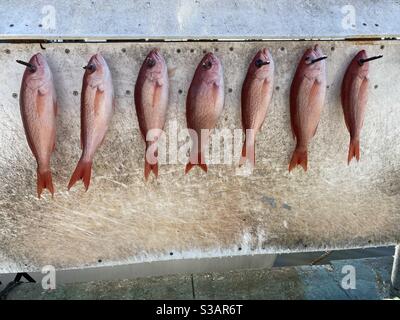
{"x":209,"y":56}
{"x":155,"y":52}
{"x":37,"y":59}
{"x":154,"y":57}
{"x":209,"y":60}
{"x":317,"y":49}
{"x":98,"y":58}
{"x":265,"y":54}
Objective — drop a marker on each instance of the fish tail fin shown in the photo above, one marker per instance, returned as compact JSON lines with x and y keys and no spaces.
{"x":44,"y":181}
{"x":354,"y":150}
{"x":148,"y":167}
{"x":199,"y":163}
{"x":248,"y":153}
{"x":299,"y":157}
{"x":82,"y":171}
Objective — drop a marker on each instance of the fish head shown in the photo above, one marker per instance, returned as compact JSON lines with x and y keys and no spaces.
{"x":96,"y":67}
{"x":210,"y":68}
{"x":310,"y":67}
{"x":40,"y":70}
{"x":154,"y":64}
{"x":361,"y":69}
{"x":262,"y":64}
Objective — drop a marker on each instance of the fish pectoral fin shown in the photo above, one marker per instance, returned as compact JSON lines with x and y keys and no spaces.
{"x":157,"y":94}
{"x":40,"y":103}
{"x":159,"y":82}
{"x":98,"y":101}
{"x":100,"y":87}
{"x":43,"y":90}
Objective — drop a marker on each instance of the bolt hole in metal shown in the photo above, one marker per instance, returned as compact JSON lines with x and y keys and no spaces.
{"x":123,"y":50}
{"x":171,"y":253}
{"x":282,"y":49}
{"x":11,"y":25}
{"x":180,"y":91}
{"x":67,"y":51}
{"x":231,"y":49}
{"x":75,"y":93}
{"x":230,"y":90}
{"x":277,"y":88}
{"x":15,"y":95}
{"x":40,"y":25}
{"x":191,"y":50}
{"x":204,"y":51}
{"x":332,"y":48}
{"x":7,"y":51}
{"x":178,"y":50}
{"x":382,"y":47}
{"x":376,"y":86}
{"x":128,"y":92}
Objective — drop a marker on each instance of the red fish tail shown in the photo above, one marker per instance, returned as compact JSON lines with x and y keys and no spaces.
{"x":354,"y":150}
{"x":299,"y":157}
{"x":44,"y":181}
{"x":148,"y":167}
{"x":248,"y":153}
{"x":151,"y":160}
{"x":82,"y":171}
{"x":199,"y":163}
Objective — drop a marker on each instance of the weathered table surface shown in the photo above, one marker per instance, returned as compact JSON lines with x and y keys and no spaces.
{"x":123,"y":219}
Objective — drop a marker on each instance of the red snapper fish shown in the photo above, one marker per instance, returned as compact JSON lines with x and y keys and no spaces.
{"x":38,"y":111}
{"x":204,"y":105}
{"x":354,"y":96}
{"x":97,"y":108}
{"x":256,"y":96}
{"x":307,"y":95}
{"x":151,"y":101}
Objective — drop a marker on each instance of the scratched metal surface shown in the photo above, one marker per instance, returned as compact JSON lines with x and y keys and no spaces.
{"x":199,"y":19}
{"x":122,"y":219}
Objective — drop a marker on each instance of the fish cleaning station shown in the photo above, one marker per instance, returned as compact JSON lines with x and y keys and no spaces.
{"x":214,"y":234}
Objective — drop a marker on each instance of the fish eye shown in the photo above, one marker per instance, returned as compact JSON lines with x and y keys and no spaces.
{"x":150,"y":62}
{"x":207,"y":65}
{"x":90,"y":67}
{"x":259,"y":63}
